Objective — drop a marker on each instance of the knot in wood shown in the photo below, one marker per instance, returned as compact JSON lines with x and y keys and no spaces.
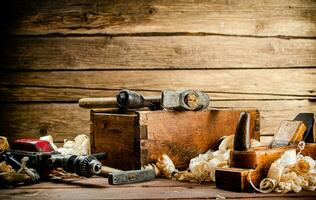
{"x":151,"y":11}
{"x":259,"y":26}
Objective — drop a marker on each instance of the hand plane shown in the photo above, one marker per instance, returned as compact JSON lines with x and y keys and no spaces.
{"x":244,"y":158}
{"x":169,"y":99}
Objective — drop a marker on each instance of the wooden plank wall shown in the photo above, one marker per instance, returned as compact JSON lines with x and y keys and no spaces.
{"x":243,"y":53}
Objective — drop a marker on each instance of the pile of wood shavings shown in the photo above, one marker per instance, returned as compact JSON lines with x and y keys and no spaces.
{"x":289,"y":173}
{"x":79,"y":146}
{"x":201,"y":168}
{"x":5,"y":168}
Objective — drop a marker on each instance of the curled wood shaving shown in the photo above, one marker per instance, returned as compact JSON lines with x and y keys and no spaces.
{"x":4,"y":144}
{"x":5,"y":168}
{"x":289,"y":173}
{"x":267,"y":185}
{"x":166,"y":166}
{"x":201,"y":168}
{"x":305,"y":164}
{"x":153,"y":166}
{"x":79,"y":146}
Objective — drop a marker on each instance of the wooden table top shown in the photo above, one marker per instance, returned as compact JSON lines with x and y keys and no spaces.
{"x":98,"y":188}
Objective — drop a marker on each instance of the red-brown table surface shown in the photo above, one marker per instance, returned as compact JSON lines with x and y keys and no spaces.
{"x":98,"y":188}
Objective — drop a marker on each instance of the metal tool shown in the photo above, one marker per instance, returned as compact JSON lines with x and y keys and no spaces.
{"x":132,"y":100}
{"x":184,"y":100}
{"x":44,"y":159}
{"x":289,"y":132}
{"x":170,"y":99}
{"x":132,"y":176}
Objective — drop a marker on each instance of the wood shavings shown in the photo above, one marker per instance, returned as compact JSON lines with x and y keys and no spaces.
{"x":267,"y":185}
{"x":184,"y":176}
{"x":5,"y":168}
{"x":305,"y":164}
{"x":289,"y":173}
{"x":275,"y":172}
{"x":4,"y":144}
{"x":79,"y":146}
{"x":227,"y":143}
{"x":201,"y":168}
{"x":60,"y":173}
{"x":166,"y":166}
{"x":152,"y":166}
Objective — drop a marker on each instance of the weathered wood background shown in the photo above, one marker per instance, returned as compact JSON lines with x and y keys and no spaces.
{"x":244,"y":53}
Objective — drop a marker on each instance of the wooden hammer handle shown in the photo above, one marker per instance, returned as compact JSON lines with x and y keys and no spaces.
{"x":101,"y":102}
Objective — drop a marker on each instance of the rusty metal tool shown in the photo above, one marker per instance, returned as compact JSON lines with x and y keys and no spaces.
{"x":169,"y":99}
{"x":132,"y":176}
{"x":290,"y":132}
{"x":184,"y":100}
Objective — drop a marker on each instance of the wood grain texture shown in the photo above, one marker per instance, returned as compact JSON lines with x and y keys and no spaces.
{"x":14,"y":93}
{"x":185,"y":135}
{"x":259,"y":17}
{"x":118,"y":136}
{"x":159,"y":52}
{"x":98,"y":188}
{"x":66,"y":120}
{"x":62,"y":121}
{"x":298,"y":82}
{"x":273,"y":112}
{"x":245,"y":54}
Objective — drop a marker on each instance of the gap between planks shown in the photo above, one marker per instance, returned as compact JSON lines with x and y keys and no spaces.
{"x":152,"y":34}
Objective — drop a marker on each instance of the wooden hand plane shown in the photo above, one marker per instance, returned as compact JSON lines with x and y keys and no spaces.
{"x":244,"y":158}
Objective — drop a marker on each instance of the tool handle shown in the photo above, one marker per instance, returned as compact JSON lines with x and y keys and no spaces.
{"x":242,"y":134}
{"x":100,"y":102}
{"x":111,"y":102}
{"x":105,"y":170}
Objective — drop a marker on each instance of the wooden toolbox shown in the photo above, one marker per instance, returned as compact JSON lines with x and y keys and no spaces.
{"x":133,"y":139}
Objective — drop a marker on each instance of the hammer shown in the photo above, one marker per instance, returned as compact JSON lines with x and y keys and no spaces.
{"x":169,"y":99}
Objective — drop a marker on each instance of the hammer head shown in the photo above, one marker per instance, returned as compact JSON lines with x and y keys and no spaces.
{"x":184,"y":100}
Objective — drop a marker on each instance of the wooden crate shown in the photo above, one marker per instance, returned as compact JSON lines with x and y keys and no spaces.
{"x":137,"y":138}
